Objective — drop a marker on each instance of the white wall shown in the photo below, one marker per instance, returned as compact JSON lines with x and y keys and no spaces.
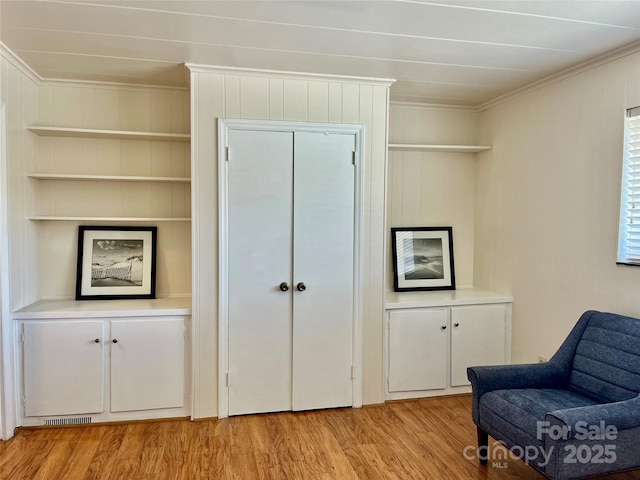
{"x":18,"y":94}
{"x":87,"y":105}
{"x":547,"y":204}
{"x":434,"y":188}
{"x":273,"y":96}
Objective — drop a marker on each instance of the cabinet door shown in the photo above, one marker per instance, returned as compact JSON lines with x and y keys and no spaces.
{"x":478,"y":337}
{"x":147,"y":364}
{"x":63,"y":367}
{"x":418,"y":341}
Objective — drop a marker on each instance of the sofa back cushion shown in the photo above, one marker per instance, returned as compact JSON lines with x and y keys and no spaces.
{"x":606,"y":366}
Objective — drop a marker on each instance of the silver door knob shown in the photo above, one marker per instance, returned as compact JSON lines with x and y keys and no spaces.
{"x":284,"y":286}
{"x":301,"y":286}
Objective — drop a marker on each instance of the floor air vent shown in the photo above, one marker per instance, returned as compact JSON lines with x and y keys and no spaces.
{"x":66,"y":421}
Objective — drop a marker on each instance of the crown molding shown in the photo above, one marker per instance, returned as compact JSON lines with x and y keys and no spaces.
{"x":256,"y":72}
{"x":591,"y":64}
{"x":59,"y":82}
{"x":434,"y":106}
{"x":17,"y":62}
{"x":20,"y":64}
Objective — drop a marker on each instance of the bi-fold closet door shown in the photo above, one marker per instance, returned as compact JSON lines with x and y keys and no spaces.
{"x":291,"y":270}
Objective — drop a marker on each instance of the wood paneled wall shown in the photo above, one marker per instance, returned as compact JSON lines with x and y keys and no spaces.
{"x":434,"y":188}
{"x":112,"y":108}
{"x":19,"y":98}
{"x":273,"y":96}
{"x":547,"y":204}
{"x":19,"y":93}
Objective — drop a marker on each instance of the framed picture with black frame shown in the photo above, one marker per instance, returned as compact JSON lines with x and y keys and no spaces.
{"x":423,"y":258}
{"x":116,"y":262}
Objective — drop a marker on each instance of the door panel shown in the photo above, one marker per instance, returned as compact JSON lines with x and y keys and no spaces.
{"x":63,"y":367}
{"x":418,"y":349}
{"x":147,"y":364}
{"x":260,"y":195}
{"x":323,"y":256}
{"x":478,"y":337}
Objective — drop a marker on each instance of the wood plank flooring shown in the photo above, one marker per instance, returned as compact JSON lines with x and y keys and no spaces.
{"x":413,"y":439}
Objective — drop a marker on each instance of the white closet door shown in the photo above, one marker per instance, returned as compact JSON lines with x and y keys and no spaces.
{"x":324,"y":262}
{"x":260,"y":193}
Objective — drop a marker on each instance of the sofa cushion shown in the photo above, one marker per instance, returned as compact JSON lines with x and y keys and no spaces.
{"x":606,"y":366}
{"x":515,"y":413}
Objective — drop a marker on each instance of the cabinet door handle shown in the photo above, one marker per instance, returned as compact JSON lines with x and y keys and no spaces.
{"x":456,"y":324}
{"x":97,"y":340}
{"x":115,"y":340}
{"x":443,"y":327}
{"x":301,"y":286}
{"x":284,"y":286}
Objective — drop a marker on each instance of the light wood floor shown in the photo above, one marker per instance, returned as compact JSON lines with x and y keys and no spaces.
{"x":415,"y":439}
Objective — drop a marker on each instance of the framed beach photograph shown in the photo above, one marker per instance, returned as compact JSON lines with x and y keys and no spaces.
{"x":423,"y":258}
{"x":116,"y":263}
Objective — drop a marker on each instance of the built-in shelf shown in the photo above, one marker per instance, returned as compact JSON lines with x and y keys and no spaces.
{"x":108,"y":134}
{"x":83,"y":309}
{"x":108,"y":178}
{"x":444,"y":298}
{"x":109,"y":219}
{"x":440,"y":148}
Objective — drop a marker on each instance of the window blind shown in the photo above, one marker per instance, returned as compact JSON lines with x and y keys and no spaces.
{"x":629,"y":236}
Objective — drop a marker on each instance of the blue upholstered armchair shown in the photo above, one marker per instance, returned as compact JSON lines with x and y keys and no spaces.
{"x":575,"y":416}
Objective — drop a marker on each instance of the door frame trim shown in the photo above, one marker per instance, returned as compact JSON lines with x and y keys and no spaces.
{"x":224,"y":126}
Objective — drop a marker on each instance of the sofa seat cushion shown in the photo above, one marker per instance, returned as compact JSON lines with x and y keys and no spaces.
{"x":515,"y":413}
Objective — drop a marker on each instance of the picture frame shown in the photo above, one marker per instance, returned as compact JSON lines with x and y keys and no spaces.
{"x":116,"y":262}
{"x":423,"y":258}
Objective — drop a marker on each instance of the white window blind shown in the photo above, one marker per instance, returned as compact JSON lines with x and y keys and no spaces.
{"x":629,"y":236}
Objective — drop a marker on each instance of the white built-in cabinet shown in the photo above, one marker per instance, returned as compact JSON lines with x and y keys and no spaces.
{"x":433,"y":337}
{"x":113,"y":360}
{"x":86,"y":362}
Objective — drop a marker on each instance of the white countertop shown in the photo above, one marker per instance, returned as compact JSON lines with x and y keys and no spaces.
{"x":443,"y":298}
{"x":53,"y":309}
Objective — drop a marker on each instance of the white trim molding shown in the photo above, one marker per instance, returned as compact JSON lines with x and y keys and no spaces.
{"x":195,"y":68}
{"x":8,"y":392}
{"x":17,"y":62}
{"x":596,"y":62}
{"x":61,"y":82}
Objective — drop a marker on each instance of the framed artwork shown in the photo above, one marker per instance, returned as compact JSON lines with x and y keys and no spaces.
{"x":423,"y":258}
{"x":116,"y":263}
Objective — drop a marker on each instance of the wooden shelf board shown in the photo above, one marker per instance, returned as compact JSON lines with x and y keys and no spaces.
{"x":443,"y":298}
{"x":82,"y":309}
{"x":108,"y":134}
{"x":108,"y":178}
{"x":440,"y":148}
{"x":108,"y":219}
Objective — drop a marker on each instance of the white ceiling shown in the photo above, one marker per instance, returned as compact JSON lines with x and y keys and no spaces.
{"x":450,"y":52}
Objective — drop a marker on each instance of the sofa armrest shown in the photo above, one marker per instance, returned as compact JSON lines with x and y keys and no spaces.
{"x":528,"y":375}
{"x":500,"y":377}
{"x":622,"y":415}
